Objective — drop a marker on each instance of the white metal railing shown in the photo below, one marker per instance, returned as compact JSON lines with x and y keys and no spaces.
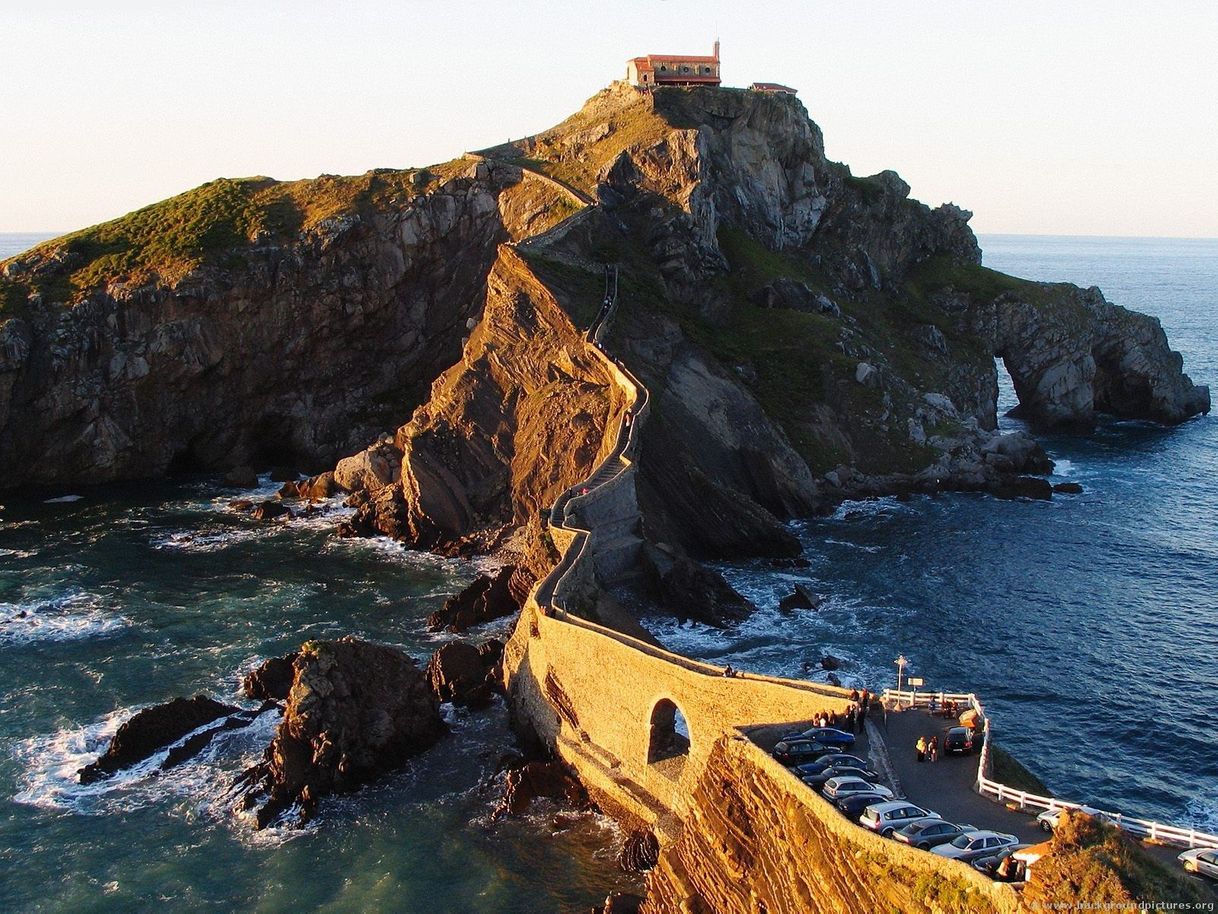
{"x":987,"y":786}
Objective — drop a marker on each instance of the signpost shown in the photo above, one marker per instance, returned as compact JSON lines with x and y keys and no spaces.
{"x":901,"y":663}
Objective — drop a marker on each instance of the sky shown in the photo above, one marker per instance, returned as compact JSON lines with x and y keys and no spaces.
{"x":1079,"y":117}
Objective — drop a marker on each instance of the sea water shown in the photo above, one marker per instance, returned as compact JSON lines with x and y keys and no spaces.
{"x":1086,"y":623}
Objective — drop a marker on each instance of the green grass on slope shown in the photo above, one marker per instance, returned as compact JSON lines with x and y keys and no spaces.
{"x":207,"y":225}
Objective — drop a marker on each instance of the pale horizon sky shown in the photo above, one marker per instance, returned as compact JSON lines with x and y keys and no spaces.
{"x":1087,"y":118}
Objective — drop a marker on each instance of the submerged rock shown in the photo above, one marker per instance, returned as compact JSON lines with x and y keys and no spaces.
{"x":356,"y":710}
{"x":1068,"y":488}
{"x":151,"y":730}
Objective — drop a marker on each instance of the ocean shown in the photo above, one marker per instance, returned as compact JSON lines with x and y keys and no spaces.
{"x":1088,"y":625}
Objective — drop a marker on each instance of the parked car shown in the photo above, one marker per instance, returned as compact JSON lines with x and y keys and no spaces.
{"x":886,"y":818}
{"x":989,"y":864}
{"x":829,"y":761}
{"x":928,"y":833}
{"x":1201,"y":860}
{"x":837,"y":771}
{"x":796,"y":751}
{"x":839,"y":787}
{"x":968,"y":847}
{"x":961,"y":741}
{"x":1048,"y":819}
{"x":852,"y":805}
{"x":828,"y":735}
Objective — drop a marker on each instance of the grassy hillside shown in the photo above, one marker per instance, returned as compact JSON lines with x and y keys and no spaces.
{"x":211,"y":224}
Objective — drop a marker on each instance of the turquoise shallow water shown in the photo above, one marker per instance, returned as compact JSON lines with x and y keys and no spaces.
{"x":1090,"y":623}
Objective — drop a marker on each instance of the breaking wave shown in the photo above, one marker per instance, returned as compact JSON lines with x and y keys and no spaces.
{"x":68,"y":617}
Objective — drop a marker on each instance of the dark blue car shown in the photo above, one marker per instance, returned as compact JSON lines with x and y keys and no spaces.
{"x":830,"y":736}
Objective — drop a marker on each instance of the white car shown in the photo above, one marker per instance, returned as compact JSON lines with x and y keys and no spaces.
{"x":886,"y":818}
{"x":969,"y":847}
{"x":836,"y":788}
{"x":1201,"y":860}
{"x":1048,"y":819}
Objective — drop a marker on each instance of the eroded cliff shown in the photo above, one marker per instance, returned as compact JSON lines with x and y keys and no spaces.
{"x":248,"y":322}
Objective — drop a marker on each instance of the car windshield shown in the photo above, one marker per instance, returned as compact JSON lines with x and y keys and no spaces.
{"x":961,"y":842}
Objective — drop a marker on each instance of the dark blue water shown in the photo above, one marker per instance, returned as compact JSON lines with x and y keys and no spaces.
{"x":1089,"y":624}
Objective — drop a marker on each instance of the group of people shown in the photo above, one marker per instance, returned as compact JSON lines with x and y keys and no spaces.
{"x":852,"y":719}
{"x":927,"y":749}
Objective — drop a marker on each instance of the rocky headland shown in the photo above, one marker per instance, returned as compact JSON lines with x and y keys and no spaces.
{"x":417,"y":340}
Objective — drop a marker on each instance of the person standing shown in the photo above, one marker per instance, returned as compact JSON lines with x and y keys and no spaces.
{"x":933,"y":749}
{"x":920,"y":746}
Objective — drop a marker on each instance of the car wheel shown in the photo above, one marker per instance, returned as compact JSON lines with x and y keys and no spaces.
{"x":1045,"y":826}
{"x":923,"y":846}
{"x":887,"y":832}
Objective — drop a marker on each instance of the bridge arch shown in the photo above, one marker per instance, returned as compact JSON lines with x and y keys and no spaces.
{"x":668,"y":733}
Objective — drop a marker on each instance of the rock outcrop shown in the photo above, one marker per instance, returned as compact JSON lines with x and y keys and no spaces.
{"x":488,"y":598}
{"x":807,"y":335}
{"x":272,"y":680}
{"x":152,"y":730}
{"x":355,"y":711}
{"x":529,"y":781}
{"x":465,"y":674}
{"x":247,"y":322}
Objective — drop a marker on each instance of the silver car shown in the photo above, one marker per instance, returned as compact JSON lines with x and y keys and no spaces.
{"x":885,"y":818}
{"x":836,"y":788}
{"x":976,"y":844}
{"x":1201,"y":860}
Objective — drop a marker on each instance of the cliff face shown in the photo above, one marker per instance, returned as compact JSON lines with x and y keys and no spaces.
{"x":246,"y":321}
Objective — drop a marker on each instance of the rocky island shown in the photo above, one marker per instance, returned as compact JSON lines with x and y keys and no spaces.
{"x":603,"y":354}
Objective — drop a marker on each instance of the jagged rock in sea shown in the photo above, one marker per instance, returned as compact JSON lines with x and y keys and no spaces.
{"x":356,"y":710}
{"x":151,"y":730}
{"x":272,"y":680}
{"x":486,"y":599}
{"x":640,"y":851}
{"x":528,"y":781}
{"x":464,"y":674}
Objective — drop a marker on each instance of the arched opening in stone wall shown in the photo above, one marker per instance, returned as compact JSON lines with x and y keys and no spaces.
{"x":669,"y":736}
